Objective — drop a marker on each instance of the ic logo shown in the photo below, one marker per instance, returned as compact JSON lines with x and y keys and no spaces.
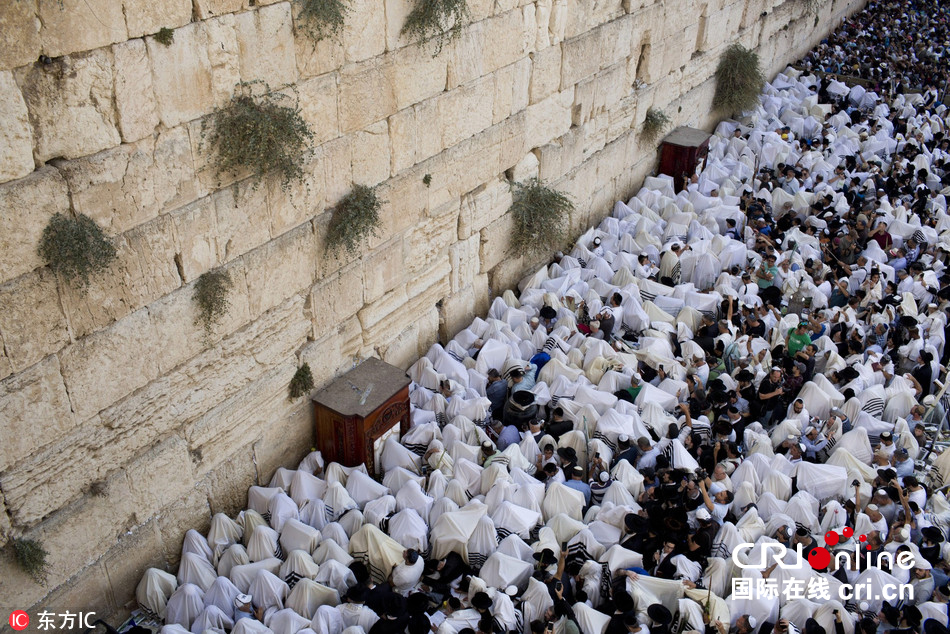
{"x":19,"y":620}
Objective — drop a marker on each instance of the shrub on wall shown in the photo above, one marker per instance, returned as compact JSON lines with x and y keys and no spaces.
{"x":655,"y":122}
{"x":259,"y":131}
{"x":321,"y":18}
{"x":31,"y":557}
{"x":739,"y":80}
{"x":76,"y":248}
{"x":437,"y":20}
{"x":165,"y":36}
{"x":540,"y":215}
{"x":355,"y":218}
{"x":302,"y":382}
{"x":211,"y":296}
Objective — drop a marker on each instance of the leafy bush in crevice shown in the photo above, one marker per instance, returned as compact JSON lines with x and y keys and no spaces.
{"x":76,"y":248}
{"x":261,"y":132}
{"x":321,"y":19}
{"x":355,"y":218}
{"x":739,"y":80}
{"x":655,"y":122}
{"x":32,"y":558}
{"x":436,"y":20}
{"x":540,"y":215}
{"x":165,"y":36}
{"x":211,"y":296}
{"x":302,"y":382}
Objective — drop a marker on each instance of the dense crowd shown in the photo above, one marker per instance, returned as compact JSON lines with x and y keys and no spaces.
{"x":716,"y":414}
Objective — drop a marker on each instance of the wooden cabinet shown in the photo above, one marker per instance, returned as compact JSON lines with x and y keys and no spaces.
{"x":682,"y":151}
{"x":356,"y":413}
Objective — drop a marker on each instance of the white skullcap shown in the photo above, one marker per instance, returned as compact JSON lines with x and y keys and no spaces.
{"x":752,"y":621}
{"x":715,"y":488}
{"x":241,"y":599}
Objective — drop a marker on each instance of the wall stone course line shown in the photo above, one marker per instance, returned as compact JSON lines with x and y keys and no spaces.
{"x":265,"y":45}
{"x":19,"y":34}
{"x":135,"y":100}
{"x":16,"y":138}
{"x":146,"y":18}
{"x":181,"y":75}
{"x":32,"y":321}
{"x":79,"y":25}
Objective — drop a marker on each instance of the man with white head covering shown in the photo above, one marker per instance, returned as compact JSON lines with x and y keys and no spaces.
{"x":243,"y":609}
{"x":405,"y":576}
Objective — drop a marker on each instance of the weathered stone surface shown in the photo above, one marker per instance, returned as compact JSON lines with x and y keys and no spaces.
{"x":337,"y":298}
{"x":159,"y":477}
{"x":285,"y":445}
{"x":35,"y":200}
{"x":371,"y":153}
{"x":145,"y":18}
{"x":72,"y":26}
{"x":466,"y":111}
{"x":463,"y":257}
{"x":242,"y":220}
{"x":549,"y":119}
{"x":495,"y":242}
{"x":70,"y":103}
{"x":511,"y":89}
{"x":265,"y":41}
{"x":134,"y":99}
{"x":417,"y":75}
{"x":383,"y":269}
{"x":224,"y":56}
{"x":366,"y":95}
{"x":89,"y":588}
{"x":396,"y":12}
{"x":316,"y":58}
{"x":210,"y":8}
{"x":365,"y":37}
{"x":318,"y":107}
{"x":128,"y":185}
{"x":465,"y":56}
{"x":19,"y":33}
{"x":334,"y":353}
{"x":483,"y":206}
{"x":35,"y":406}
{"x":280,"y":269}
{"x":506,"y":40}
{"x":16,"y":137}
{"x":126,"y":561}
{"x":545,"y":73}
{"x":297,"y":203}
{"x":32,"y":321}
{"x":335,"y":159}
{"x":191,"y":512}
{"x":181,"y":76}
{"x":526,"y":169}
{"x":227,"y":484}
{"x":415,"y":134}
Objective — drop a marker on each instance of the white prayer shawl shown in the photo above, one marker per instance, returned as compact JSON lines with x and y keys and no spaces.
{"x":377,"y":551}
{"x":856,"y":444}
{"x":437,"y":483}
{"x":824,"y":481}
{"x":350,"y":522}
{"x":501,"y":570}
{"x":631,"y":478}
{"x":268,"y":590}
{"x":174,"y":628}
{"x":441,"y":506}
{"x":242,"y":576}
{"x":338,"y":500}
{"x":286,"y":621}
{"x":223,"y":532}
{"x":314,"y":513}
{"x":305,"y":486}
{"x":363,"y":488}
{"x":248,"y":520}
{"x":396,"y":455}
{"x":327,"y":620}
{"x":358,"y":616}
{"x":562,"y":499}
{"x":184,"y":606}
{"x":398,"y":477}
{"x":409,"y":529}
{"x":378,"y":510}
{"x":309,"y":595}
{"x":335,"y":531}
{"x":299,"y":565}
{"x":195,"y":569}
{"x":585,"y":543}
{"x":483,"y":541}
{"x":221,"y":594}
{"x":335,"y":472}
{"x":535,"y":602}
{"x":153,"y":591}
{"x":235,"y":555}
{"x":258,"y":498}
{"x":195,"y":542}
{"x":335,"y":575}
{"x":405,"y":577}
{"x":251,"y":626}
{"x":299,"y":536}
{"x":264,"y":544}
{"x":212,"y":618}
{"x":509,"y":518}
{"x":607,"y":535}
{"x":514,"y":546}
{"x":590,"y":620}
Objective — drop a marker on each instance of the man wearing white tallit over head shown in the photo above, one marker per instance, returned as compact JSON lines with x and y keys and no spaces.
{"x":670,"y":265}
{"x":405,"y":576}
{"x":354,"y":612}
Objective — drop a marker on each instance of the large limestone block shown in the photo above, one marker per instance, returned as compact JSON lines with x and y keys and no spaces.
{"x":103,"y":367}
{"x":32,"y":321}
{"x":619,"y":36}
{"x":495,"y":242}
{"x":396,"y":12}
{"x":337,"y":298}
{"x":265,"y":38}
{"x":484,"y":205}
{"x":128,"y":185}
{"x":506,"y":40}
{"x":466,"y":111}
{"x":545,"y":73}
{"x":463,"y":257}
{"x":16,"y":137}
{"x":29,"y":203}
{"x":299,"y":203}
{"x":127,"y":560}
{"x":35,"y":409}
{"x":19,"y":33}
{"x":71,"y":105}
{"x":391,"y":303}
{"x":224,"y":55}
{"x":581,"y":57}
{"x":511,"y":89}
{"x":598,"y":95}
{"x":406,"y":202}
{"x":465,"y":56}
{"x":144,"y":270}
{"x":211,"y":8}
{"x":417,"y":75}
{"x":549,"y":119}
{"x":286,"y":445}
{"x":427,"y":240}
{"x":366,"y":95}
{"x":280,"y":269}
{"x":318,"y":107}
{"x":226,"y":480}
{"x":384,"y":269}
{"x":195,"y":231}
{"x":242,"y":220}
{"x":415,"y":134}
{"x":159,"y":477}
{"x":336,"y":352}
{"x":365,"y":37}
{"x":190,"y":512}
{"x":144,"y":18}
{"x":335,"y":159}
{"x":135,"y":101}
{"x":181,"y":75}
{"x":6,"y":368}
{"x":316,"y":58}
{"x":371,"y":154}
{"x":72,"y":26}
{"x":412,"y":341}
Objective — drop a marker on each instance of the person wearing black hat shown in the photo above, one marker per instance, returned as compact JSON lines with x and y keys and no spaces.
{"x":482,"y":602}
{"x":568,"y":461}
{"x":662,"y":618}
{"x":439,"y":574}
{"x":623,"y":608}
{"x":548,"y":317}
{"x":394,"y":618}
{"x":932,"y":537}
{"x":353,"y":611}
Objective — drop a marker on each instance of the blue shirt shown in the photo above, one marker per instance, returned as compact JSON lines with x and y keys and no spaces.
{"x":581,"y":486}
{"x":509,"y":436}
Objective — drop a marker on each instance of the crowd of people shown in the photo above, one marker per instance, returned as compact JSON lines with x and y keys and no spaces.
{"x":718,"y":413}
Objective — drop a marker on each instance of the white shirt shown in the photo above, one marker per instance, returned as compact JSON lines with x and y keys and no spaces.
{"x":406,"y":577}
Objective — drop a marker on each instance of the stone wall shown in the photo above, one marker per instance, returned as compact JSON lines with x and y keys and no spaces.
{"x":123,"y":425}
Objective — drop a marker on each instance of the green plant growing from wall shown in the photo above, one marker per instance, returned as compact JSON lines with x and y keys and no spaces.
{"x":654,"y":123}
{"x":321,"y":18}
{"x":76,"y":248}
{"x":302,"y":382}
{"x":437,"y":20}
{"x":211,"y":296}
{"x":739,"y":80}
{"x":165,"y":36}
{"x":540,"y":215}
{"x":261,"y":132}
{"x":354,"y":219}
{"x":31,"y":557}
